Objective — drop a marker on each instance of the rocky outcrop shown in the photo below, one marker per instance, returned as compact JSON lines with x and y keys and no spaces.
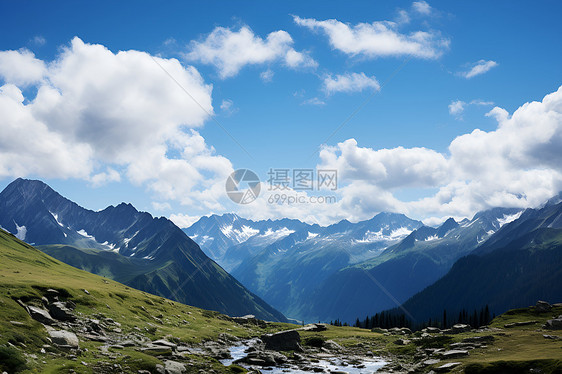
{"x":40,"y":315}
{"x":554,"y":324}
{"x":64,"y":339}
{"x":314,"y":327}
{"x":61,"y":311}
{"x":263,"y":358}
{"x":283,"y":341}
{"x":542,"y":307}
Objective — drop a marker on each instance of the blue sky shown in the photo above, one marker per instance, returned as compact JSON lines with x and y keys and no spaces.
{"x":280,"y":112}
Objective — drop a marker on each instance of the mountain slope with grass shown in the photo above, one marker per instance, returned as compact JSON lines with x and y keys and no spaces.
{"x":150,"y":254}
{"x":128,"y":317}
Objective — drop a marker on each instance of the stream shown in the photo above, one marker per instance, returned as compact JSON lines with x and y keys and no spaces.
{"x":329,"y":363}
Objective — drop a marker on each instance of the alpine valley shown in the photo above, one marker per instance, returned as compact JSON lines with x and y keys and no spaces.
{"x":131,"y":247}
{"x":390,"y":267}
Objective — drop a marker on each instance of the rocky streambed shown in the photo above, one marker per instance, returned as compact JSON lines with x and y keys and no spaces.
{"x":282,"y":353}
{"x":245,"y":355}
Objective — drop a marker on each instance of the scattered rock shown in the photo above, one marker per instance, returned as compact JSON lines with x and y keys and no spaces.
{"x":459,"y":327}
{"x":554,"y":324}
{"x":479,"y":339}
{"x":157,"y":350}
{"x":60,"y":311}
{"x":217,"y":350}
{"x":453,"y":353}
{"x":64,"y":338}
{"x":552,"y":337}
{"x":314,"y":327}
{"x":332,"y":346}
{"x":402,"y":342}
{"x":432,"y":330}
{"x":283,"y":341}
{"x":463,"y":345}
{"x":40,"y":315}
{"x":86,"y":292}
{"x":174,"y":367}
{"x":17,"y":323}
{"x":249,"y":319}
{"x":516,"y":324}
{"x":543,"y":306}
{"x":447,"y":367}
{"x":263,"y":358}
{"x":431,"y":361}
{"x":165,"y":343}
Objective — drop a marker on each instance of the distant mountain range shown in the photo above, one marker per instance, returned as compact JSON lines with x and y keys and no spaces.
{"x":132,"y":247}
{"x":346,"y":270}
{"x":515,"y":267}
{"x":285,"y":261}
{"x":405,"y":268}
{"x":502,"y":257}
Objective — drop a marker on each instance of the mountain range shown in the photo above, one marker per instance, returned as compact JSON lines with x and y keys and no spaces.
{"x":516,"y":266}
{"x":502,"y":257}
{"x":132,"y":247}
{"x":285,"y":261}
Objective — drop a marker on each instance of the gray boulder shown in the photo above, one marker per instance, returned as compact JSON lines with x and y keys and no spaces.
{"x":445,"y":368}
{"x":554,"y":324}
{"x":543,"y":306}
{"x":40,"y":315}
{"x":60,"y":311}
{"x":283,"y":341}
{"x":453,"y":353}
{"x":174,"y":367}
{"x":459,"y":327}
{"x":314,"y":327}
{"x":263,"y":358}
{"x":64,"y":338}
{"x":157,"y":350}
{"x":165,"y":343}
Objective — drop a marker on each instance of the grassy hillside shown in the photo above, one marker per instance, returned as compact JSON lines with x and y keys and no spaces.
{"x":26,"y":273}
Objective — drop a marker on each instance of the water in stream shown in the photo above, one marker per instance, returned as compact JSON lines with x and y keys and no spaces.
{"x":332,"y":364}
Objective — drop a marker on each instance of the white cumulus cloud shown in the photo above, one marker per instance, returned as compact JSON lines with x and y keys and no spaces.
{"x":230,"y":50}
{"x":21,"y":67}
{"x":96,"y":112}
{"x":519,"y":164}
{"x":354,"y":82}
{"x":421,"y":7}
{"x":456,"y":108}
{"x":377,"y":39}
{"x":479,"y":68}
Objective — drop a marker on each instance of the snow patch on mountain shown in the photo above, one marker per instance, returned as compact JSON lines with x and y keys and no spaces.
{"x":110,"y":246}
{"x":239,"y":235}
{"x":127,"y":240}
{"x":312,"y":235}
{"x":400,"y":233}
{"x":431,"y":238}
{"x":85,"y":234}
{"x":56,"y":217}
{"x":280,"y":233}
{"x":507,"y":218}
{"x":378,"y":236}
